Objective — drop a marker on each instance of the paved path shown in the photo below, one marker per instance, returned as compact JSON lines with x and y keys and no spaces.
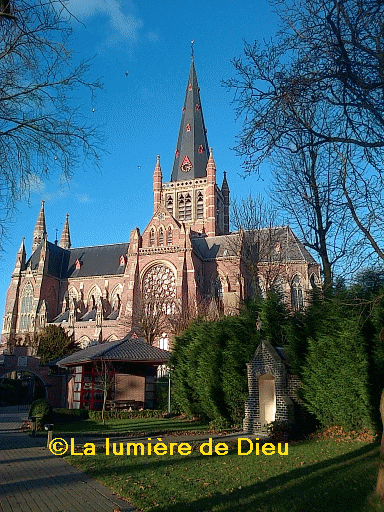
{"x":34,"y":480}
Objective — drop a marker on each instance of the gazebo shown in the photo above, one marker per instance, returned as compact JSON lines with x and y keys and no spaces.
{"x":124,"y":369}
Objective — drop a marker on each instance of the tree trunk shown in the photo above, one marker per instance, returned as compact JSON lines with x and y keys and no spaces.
{"x":380,"y":477}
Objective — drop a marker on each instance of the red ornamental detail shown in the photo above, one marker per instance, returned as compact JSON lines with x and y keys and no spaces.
{"x":122,"y":260}
{"x":183,"y":110}
{"x":201,"y":149}
{"x":186,"y":165}
{"x":77,"y":264}
{"x":188,"y":127}
{"x":177,"y":152}
{"x":190,"y":87}
{"x":197,"y":108}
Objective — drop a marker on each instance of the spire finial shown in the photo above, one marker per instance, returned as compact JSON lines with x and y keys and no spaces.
{"x":65,"y":239}
{"x":192,"y":50}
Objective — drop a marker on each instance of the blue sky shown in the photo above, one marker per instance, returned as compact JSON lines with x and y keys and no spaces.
{"x":139,"y":114}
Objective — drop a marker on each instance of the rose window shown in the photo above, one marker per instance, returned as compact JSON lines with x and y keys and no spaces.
{"x":159,"y":284}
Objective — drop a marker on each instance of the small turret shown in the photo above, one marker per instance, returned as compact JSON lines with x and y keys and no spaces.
{"x":210,"y":224}
{"x":40,"y":230}
{"x":225,"y":192}
{"x":157,"y":184}
{"x":20,"y":258}
{"x":65,"y":239}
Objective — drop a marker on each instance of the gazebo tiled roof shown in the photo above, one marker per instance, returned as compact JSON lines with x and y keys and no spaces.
{"x":129,"y":350}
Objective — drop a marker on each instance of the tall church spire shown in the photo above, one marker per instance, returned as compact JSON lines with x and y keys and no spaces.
{"x":65,"y":239}
{"x":192,"y":150}
{"x":40,"y":230}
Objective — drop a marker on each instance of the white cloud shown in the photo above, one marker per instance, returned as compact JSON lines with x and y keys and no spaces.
{"x":124,"y":25}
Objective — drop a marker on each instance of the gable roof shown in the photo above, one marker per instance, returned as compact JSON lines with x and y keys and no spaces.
{"x":132,"y":349}
{"x":210,"y":248}
{"x":97,"y":260}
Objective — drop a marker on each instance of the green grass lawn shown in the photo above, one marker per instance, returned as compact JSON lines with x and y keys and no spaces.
{"x":130,"y":425}
{"x":317,"y":475}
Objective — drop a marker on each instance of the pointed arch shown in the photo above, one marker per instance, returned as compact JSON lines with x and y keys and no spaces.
{"x":188,"y":207}
{"x":152,"y":236}
{"x":115,"y":299}
{"x":84,"y":342}
{"x":94,"y":295}
{"x":161,"y":236}
{"x":297,"y":300}
{"x":169,"y":235}
{"x":26,"y":308}
{"x":181,"y":206}
{"x":200,"y":205}
{"x":169,"y":203}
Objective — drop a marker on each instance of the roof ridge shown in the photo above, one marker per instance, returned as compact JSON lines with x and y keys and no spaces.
{"x":99,"y":245}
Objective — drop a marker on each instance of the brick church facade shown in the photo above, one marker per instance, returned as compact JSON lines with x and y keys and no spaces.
{"x":186,"y":255}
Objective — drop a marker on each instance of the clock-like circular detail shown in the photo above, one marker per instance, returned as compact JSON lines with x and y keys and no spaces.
{"x":186,"y":167}
{"x":161,"y":216}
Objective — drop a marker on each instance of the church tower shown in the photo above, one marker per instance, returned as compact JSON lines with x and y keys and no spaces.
{"x":192,"y":196}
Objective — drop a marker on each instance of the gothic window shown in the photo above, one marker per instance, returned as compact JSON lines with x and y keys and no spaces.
{"x":217,"y":292}
{"x":296,"y":294}
{"x":169,"y":236}
{"x":93,"y":297}
{"x":26,"y":308}
{"x":278,"y":286}
{"x":116,"y":297}
{"x":188,"y":207}
{"x":314,"y":281}
{"x":181,"y":206}
{"x":163,"y":342}
{"x":159,"y":289}
{"x":84,"y":342}
{"x":71,"y":297}
{"x":200,"y":205}
{"x":170,"y":204}
{"x":161,"y":236}
{"x":152,"y":237}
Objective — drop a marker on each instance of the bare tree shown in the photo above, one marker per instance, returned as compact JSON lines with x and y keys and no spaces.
{"x":327,"y":58}
{"x":42,"y":128}
{"x":258,"y":242}
{"x":307,"y":188}
{"x":153,"y":318}
{"x":105,"y":381}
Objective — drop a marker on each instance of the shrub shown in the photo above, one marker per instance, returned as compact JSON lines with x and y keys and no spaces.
{"x":69,"y":415}
{"x":42,"y":410}
{"x":120,"y":415}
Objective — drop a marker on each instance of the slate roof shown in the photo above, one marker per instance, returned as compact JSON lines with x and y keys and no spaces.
{"x":97,"y":260}
{"x":192,"y":141}
{"x":133,"y":349}
{"x":57,"y":262}
{"x":292,"y":249}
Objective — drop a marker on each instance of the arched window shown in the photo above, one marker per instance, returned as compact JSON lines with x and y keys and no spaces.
{"x":181,"y":206}
{"x":170,"y":204}
{"x":169,"y":235}
{"x":161,"y":236}
{"x":152,"y":237}
{"x":200,"y":205}
{"x":93,"y":297}
{"x":115,"y":300}
{"x":217,"y":293}
{"x":188,"y":207}
{"x":159,"y":290}
{"x":26,"y":308}
{"x":296,"y":294}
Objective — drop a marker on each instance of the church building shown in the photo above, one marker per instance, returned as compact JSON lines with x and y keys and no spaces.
{"x":186,"y":256}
